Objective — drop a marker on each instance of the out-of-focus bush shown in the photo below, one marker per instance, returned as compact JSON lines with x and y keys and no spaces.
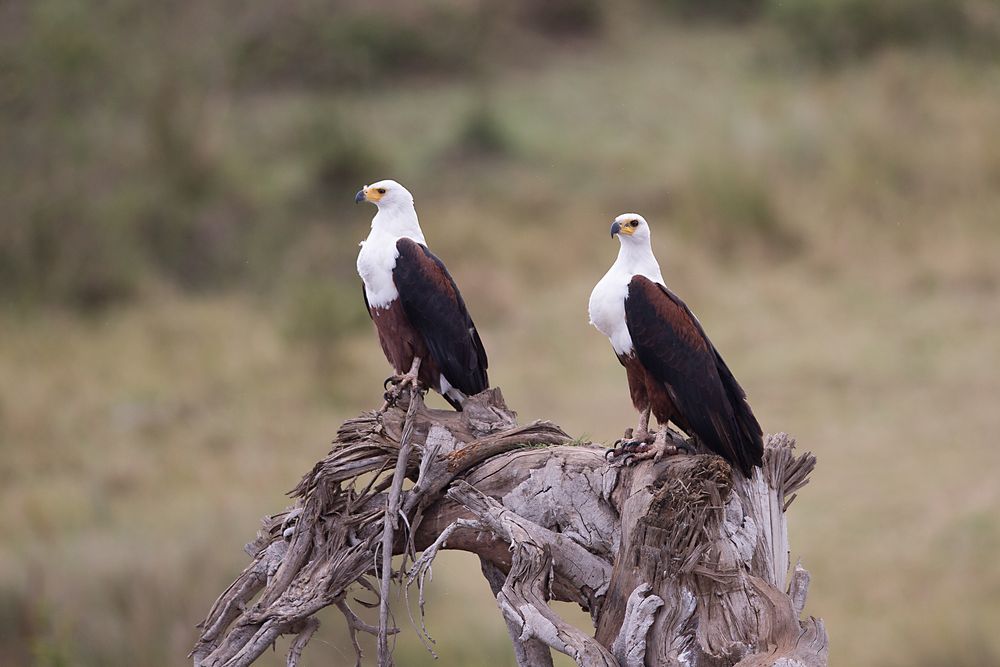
{"x":565,"y":17}
{"x":715,"y":10}
{"x":60,"y":241}
{"x":482,"y":134}
{"x":832,"y":31}
{"x":60,"y":252}
{"x":191,"y":225}
{"x":51,"y":53}
{"x":330,"y":48}
{"x":338,"y":153}
{"x":733,"y":210}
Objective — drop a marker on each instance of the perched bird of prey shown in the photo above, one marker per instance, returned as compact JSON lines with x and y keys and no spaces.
{"x":673,"y":369}
{"x":422,"y":322}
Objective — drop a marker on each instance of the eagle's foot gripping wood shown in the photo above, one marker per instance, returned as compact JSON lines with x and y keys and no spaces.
{"x":654,"y":452}
{"x":665,"y":443}
{"x":632,"y":450}
{"x":631,"y":442}
{"x":396,"y":386}
{"x":679,"y":561}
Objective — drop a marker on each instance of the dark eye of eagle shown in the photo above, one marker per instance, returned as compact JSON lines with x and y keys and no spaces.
{"x":634,"y":223}
{"x":381,"y":191}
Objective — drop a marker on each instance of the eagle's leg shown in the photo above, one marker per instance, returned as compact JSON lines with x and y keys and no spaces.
{"x":400,"y":383}
{"x":641,"y":433}
{"x":405,"y":379}
{"x":410,"y":378}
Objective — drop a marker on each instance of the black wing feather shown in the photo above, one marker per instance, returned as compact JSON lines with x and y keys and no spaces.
{"x":436,"y":309}
{"x":364,"y":295}
{"x":672,"y":345}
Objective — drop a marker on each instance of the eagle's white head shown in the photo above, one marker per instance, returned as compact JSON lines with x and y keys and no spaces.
{"x":387,"y":194}
{"x":631,"y":230}
{"x":396,"y":216}
{"x":636,"y":253}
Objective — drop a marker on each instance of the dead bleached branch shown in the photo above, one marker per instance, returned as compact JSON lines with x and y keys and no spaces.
{"x":679,"y":562}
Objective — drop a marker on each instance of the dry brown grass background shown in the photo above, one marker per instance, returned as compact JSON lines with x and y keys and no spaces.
{"x":835,"y":225}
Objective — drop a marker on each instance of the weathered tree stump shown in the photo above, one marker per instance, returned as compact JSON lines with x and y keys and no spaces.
{"x":679,"y":562}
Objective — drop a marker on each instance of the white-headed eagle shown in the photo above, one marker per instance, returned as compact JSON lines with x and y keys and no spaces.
{"x":673,"y":369}
{"x":422,"y":322}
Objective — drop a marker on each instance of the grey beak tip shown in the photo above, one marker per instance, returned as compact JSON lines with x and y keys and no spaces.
{"x":360,"y":197}
{"x":615,"y":228}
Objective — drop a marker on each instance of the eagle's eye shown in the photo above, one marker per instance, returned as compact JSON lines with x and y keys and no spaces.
{"x":381,"y":191}
{"x":634,"y":223}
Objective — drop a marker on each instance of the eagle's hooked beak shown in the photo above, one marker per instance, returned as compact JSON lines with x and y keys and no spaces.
{"x":615,"y":227}
{"x":360,"y":197}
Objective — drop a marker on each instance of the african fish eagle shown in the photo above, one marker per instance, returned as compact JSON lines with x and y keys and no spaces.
{"x":673,"y":369}
{"x":422,"y":322}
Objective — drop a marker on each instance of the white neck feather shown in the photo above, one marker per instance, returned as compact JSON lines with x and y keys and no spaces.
{"x":378,"y":254}
{"x":637,"y":259}
{"x":398,"y":221}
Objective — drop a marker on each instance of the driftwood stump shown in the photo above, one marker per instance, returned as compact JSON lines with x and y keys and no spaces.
{"x":679,"y":562}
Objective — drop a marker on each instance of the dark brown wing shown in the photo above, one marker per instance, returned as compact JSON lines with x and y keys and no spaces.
{"x":435,"y":308}
{"x":671,"y":344}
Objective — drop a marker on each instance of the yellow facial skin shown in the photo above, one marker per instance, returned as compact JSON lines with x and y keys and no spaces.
{"x":374,"y":195}
{"x":628,"y":228}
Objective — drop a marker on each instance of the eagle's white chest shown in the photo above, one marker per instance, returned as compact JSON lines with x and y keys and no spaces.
{"x":378,"y":254}
{"x":607,"y":309}
{"x":607,"y":301}
{"x":376,"y":260}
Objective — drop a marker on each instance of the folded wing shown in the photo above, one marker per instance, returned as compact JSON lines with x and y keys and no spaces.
{"x":671,"y":344}
{"x":437,"y":311}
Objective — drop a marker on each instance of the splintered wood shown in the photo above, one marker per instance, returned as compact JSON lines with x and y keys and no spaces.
{"x":680,"y":562}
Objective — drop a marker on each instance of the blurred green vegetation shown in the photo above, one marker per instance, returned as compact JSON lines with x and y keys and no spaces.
{"x":128,"y":157}
{"x":181,"y":328}
{"x":832,"y":31}
{"x":714,"y":10}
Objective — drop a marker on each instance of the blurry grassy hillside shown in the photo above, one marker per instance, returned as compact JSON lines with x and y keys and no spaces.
{"x":181,"y":329}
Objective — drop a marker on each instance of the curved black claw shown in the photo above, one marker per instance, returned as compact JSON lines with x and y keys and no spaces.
{"x":618,"y":456}
{"x":392,"y":395}
{"x":626,"y":448}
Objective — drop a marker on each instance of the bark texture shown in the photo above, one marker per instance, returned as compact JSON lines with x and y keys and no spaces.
{"x":679,"y":562}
